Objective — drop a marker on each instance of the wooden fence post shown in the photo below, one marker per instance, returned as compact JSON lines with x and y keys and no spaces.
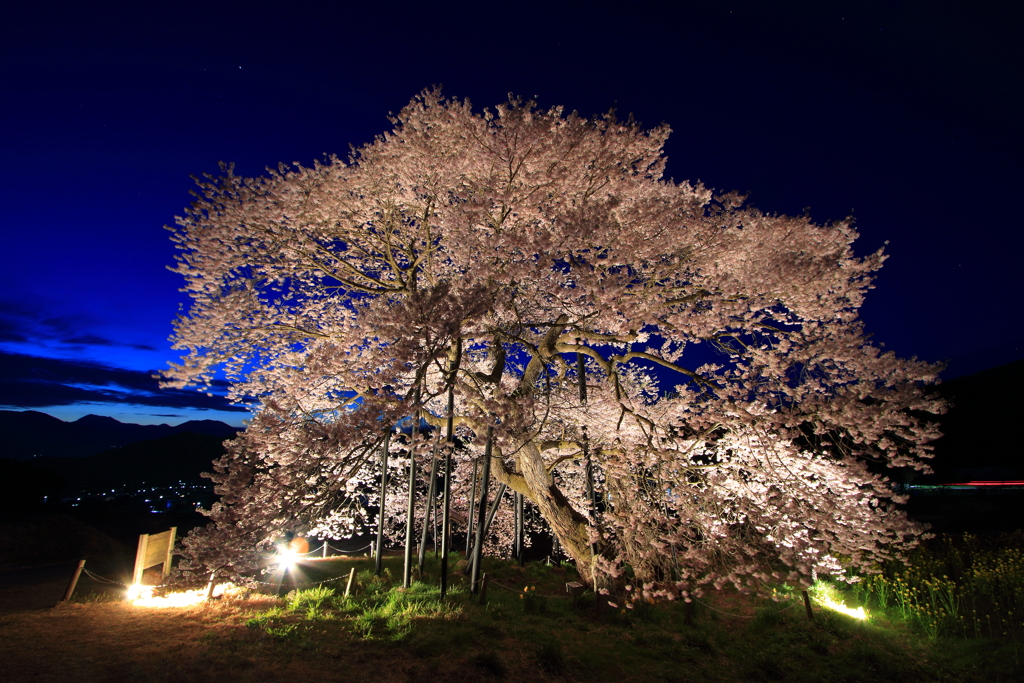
{"x":210,"y":585}
{"x":351,"y":576}
{"x":474,"y":562}
{"x":807,"y":605}
{"x":74,"y":581}
{"x":483,"y":590}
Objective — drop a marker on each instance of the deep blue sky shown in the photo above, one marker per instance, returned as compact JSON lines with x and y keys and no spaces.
{"x":905,"y":114}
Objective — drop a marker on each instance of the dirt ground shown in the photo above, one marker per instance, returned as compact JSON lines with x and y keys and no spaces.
{"x":103,"y":639}
{"x":120,"y":642}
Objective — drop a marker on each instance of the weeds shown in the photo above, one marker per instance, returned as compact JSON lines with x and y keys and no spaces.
{"x":533,"y":603}
{"x":960,"y":587}
{"x":304,"y":600}
{"x":550,"y":658}
{"x":490,"y":662}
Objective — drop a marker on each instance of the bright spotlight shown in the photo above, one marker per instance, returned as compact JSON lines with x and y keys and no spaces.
{"x":286,"y":557}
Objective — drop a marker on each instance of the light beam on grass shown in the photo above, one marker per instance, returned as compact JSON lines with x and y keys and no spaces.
{"x":836,"y":606}
{"x":824,"y":595}
{"x":145,"y":596}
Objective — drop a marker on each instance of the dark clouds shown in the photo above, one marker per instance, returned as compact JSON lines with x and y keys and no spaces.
{"x":36,"y":382}
{"x":21,"y":323}
{"x":25,"y":321}
{"x":83,"y":340}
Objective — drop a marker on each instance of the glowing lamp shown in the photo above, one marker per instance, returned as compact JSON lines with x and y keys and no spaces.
{"x":286,"y":556}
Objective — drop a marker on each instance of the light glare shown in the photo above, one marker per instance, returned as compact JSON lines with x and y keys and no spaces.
{"x":837,"y":606}
{"x":143,"y":596}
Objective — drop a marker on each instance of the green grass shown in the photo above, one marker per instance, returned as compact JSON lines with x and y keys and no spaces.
{"x":530,"y":627}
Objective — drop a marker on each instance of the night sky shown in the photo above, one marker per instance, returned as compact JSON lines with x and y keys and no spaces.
{"x":905,"y":115}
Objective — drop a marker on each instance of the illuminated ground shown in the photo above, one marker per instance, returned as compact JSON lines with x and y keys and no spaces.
{"x":733,"y":638}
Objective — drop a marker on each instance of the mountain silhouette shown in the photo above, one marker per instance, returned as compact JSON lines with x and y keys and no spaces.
{"x":31,"y":434}
{"x":979,"y":438}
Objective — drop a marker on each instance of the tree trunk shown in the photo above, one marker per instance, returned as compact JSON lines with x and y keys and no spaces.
{"x":570,"y":527}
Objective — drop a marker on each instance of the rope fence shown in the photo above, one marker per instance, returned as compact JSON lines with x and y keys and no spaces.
{"x":303,"y":583}
{"x":349,"y":552}
{"x":100,"y":579}
{"x":318,"y":553}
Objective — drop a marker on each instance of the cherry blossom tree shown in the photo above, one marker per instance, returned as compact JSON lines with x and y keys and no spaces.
{"x":678,"y":382}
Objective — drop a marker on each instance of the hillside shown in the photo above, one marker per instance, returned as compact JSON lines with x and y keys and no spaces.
{"x":979,"y":431}
{"x":183,"y":456}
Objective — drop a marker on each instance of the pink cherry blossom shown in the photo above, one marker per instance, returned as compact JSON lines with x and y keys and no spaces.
{"x":737,"y":419}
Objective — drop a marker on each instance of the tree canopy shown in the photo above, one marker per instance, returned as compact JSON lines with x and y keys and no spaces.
{"x":705,"y":358}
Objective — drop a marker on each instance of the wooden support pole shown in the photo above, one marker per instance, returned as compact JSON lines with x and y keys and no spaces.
{"x":446,"y":511}
{"x":435,"y":513}
{"x":378,"y":552}
{"x":494,"y":508}
{"x":351,"y":577}
{"x":483,"y":590}
{"x":478,"y":543}
{"x":410,"y":511}
{"x":807,"y":605}
{"x":592,"y":498}
{"x":581,"y":374}
{"x":431,"y":495}
{"x":470,"y":516}
{"x":285,"y":573}
{"x":519,"y":525}
{"x":490,"y":514}
{"x":211,"y":585}
{"x":74,"y":581}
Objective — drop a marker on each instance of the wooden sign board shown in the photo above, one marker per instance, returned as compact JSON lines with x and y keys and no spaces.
{"x":154,"y":549}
